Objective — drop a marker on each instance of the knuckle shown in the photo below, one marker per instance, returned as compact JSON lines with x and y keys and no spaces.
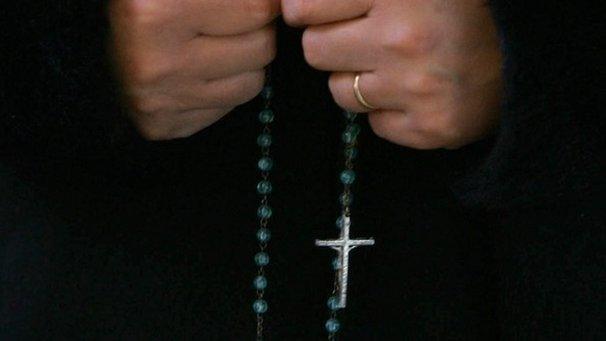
{"x":422,"y":84}
{"x":298,"y":13}
{"x":312,"y":48}
{"x":381,"y":126}
{"x":245,"y":89}
{"x":142,"y":12}
{"x":261,"y":10}
{"x":268,"y":46}
{"x":143,"y":69}
{"x":408,"y":40}
{"x":336,"y":91}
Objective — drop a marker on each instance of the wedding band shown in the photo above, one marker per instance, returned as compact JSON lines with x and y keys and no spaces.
{"x":358,"y":94}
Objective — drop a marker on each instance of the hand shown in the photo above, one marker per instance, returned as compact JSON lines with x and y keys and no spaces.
{"x":184,"y":64}
{"x":431,"y":68}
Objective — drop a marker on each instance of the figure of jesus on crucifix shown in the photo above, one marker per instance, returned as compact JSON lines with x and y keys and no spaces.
{"x":343,"y":245}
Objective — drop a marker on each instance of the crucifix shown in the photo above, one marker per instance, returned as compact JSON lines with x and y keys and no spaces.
{"x":343,"y":245}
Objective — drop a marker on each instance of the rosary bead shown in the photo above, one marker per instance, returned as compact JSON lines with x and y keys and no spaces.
{"x":260,"y":306}
{"x":264,"y":140}
{"x":263,"y":235}
{"x":346,"y":199}
{"x":350,"y":116}
{"x":264,"y":212}
{"x":333,"y":303}
{"x":262,"y":259}
{"x":267,"y":92}
{"x":348,"y":177}
{"x":266,"y":116}
{"x":347,"y":137}
{"x":353,"y":128}
{"x":351,"y":133}
{"x":264,"y":187}
{"x":333,"y":325}
{"x":265,"y":164}
{"x":351,"y":153}
{"x":260,"y":282}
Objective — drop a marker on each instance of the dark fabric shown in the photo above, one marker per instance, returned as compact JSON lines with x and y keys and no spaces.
{"x":106,"y":236}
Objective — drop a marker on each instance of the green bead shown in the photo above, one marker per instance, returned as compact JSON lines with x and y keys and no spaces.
{"x":264,"y":212}
{"x":351,"y":153}
{"x":266,"y":116}
{"x":350,"y":116}
{"x":347,"y":137}
{"x":264,"y":187}
{"x":353,"y":128}
{"x":346,"y":199}
{"x":261,"y":259}
{"x":263,"y":235}
{"x":265,"y":164}
{"x":260,"y":283}
{"x":351,"y":133}
{"x":333,"y":325}
{"x":333,"y":303}
{"x":260,"y":306}
{"x":264,"y":140}
{"x":267,"y":92}
{"x":348,"y":177}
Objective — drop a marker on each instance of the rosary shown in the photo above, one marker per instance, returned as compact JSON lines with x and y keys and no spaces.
{"x":343,"y":245}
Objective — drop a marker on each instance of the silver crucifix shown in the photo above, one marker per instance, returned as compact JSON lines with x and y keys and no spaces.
{"x":343,"y":245}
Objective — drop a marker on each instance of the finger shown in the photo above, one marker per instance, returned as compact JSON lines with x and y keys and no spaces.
{"x":210,"y":57}
{"x":342,"y":88}
{"x":221,"y":93}
{"x":345,"y":46}
{"x":234,"y":90}
{"x":139,"y":26}
{"x":141,"y":14}
{"x":184,"y":19}
{"x":158,"y":127}
{"x":228,"y":17}
{"x":179,"y":95}
{"x":373,"y":88}
{"x":385,"y":89}
{"x":400,"y":128}
{"x":315,"y":12}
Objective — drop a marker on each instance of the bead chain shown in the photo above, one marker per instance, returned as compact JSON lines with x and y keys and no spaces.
{"x":347,"y":177}
{"x":264,"y":212}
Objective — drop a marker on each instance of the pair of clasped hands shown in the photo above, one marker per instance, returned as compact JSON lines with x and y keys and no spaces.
{"x":430,"y":68}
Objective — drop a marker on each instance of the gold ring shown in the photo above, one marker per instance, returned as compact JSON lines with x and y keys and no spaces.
{"x":358,"y":94}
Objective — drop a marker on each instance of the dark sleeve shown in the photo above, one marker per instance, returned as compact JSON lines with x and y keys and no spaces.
{"x":60,"y":102}
{"x":549,"y":143}
{"x":58,"y":95}
{"x":540,"y":180}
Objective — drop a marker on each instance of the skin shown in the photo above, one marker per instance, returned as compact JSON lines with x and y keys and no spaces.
{"x":184,"y":64}
{"x":432,"y":68}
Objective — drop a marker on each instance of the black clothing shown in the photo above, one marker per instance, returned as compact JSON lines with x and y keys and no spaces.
{"x":106,"y":236}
